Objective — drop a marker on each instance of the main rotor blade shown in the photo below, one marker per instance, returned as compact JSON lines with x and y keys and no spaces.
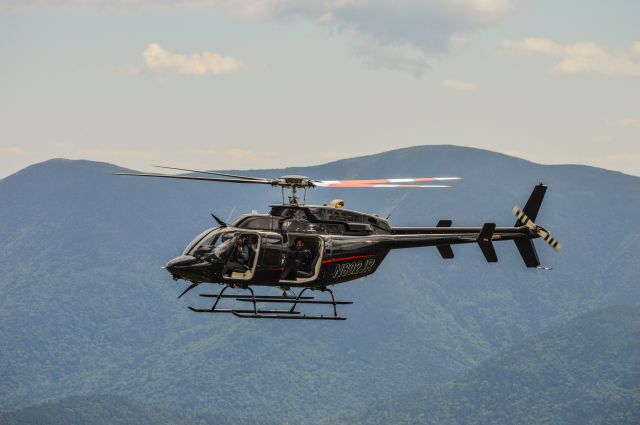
{"x":383,"y":182}
{"x":213,"y":173}
{"x":208,"y":179}
{"x":403,"y":186}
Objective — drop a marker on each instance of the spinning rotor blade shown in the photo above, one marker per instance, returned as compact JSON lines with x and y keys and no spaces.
{"x":401,"y":183}
{"x":208,"y":179}
{"x":213,"y":173}
{"x":524,"y":219}
{"x":539,"y":230}
{"x":407,"y":186}
{"x":546,"y":236}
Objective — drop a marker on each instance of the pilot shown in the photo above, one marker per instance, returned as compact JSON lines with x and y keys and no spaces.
{"x":298,"y":259}
{"x":239,"y":260}
{"x":225,"y":244}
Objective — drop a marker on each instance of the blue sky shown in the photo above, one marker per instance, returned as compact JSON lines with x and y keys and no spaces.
{"x":269,"y":83}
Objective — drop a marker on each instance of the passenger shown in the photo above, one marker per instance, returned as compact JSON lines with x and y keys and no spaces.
{"x":298,"y":259}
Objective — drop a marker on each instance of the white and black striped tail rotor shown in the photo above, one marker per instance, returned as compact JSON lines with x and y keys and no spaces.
{"x":538,"y":230}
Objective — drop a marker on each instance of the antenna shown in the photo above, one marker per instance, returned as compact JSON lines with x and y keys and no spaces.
{"x":395,"y":205}
{"x":231,"y":213}
{"x":220,"y":222}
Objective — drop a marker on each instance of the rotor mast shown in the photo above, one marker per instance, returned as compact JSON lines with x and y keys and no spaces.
{"x":294,"y":183}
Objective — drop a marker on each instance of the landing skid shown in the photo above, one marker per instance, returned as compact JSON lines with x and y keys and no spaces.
{"x":259,"y":313}
{"x":287,"y":315}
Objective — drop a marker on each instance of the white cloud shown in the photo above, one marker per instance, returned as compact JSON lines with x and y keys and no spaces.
{"x":157,"y":59}
{"x":13,"y":151}
{"x":627,"y":122}
{"x":602,"y":140}
{"x":457,"y":40}
{"x":459,"y":85}
{"x":578,"y":58}
{"x":470,"y":12}
{"x":395,"y":57}
{"x":390,"y":27}
{"x":534,"y":45}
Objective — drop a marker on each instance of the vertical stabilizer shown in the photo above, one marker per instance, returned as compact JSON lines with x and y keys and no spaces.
{"x":528,"y":252}
{"x":533,"y":204}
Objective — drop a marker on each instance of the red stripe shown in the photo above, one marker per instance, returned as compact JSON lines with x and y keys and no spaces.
{"x":333,"y":260}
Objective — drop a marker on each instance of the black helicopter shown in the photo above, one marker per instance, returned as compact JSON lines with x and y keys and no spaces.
{"x":313,"y":247}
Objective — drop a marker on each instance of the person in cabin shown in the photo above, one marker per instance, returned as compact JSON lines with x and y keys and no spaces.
{"x":298,"y":259}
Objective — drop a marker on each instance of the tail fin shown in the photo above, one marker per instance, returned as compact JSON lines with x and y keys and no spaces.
{"x":533,"y":204}
{"x":527,"y":252}
{"x":525,"y":246}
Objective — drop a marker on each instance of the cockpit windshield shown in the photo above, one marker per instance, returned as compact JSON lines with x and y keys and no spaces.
{"x":195,"y":241}
{"x":211,"y":242}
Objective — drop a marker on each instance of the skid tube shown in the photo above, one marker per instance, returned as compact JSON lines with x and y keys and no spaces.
{"x":258,"y":313}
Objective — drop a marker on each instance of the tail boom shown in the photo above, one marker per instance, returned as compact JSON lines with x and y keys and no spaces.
{"x":443,"y":235}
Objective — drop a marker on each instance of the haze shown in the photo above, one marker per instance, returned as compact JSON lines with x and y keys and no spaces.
{"x":230,"y":84}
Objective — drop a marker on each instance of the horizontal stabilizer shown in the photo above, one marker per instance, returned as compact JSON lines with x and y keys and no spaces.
{"x":445,"y":251}
{"x":484,"y":241}
{"x":486,"y":233}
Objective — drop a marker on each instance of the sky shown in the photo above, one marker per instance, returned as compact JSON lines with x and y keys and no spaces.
{"x":240,"y":84}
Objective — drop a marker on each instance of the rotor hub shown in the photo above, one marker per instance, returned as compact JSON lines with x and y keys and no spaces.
{"x":296,"y":181}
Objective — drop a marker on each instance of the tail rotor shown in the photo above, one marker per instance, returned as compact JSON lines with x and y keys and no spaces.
{"x":535,"y":228}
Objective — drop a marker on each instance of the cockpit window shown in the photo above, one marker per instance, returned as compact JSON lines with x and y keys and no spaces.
{"x":208,"y":240}
{"x":222,"y":245}
{"x":197,"y":239}
{"x":213,"y":245}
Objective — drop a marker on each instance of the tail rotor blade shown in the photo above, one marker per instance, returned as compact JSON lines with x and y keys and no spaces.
{"x":546,"y":236}
{"x":523,"y":218}
{"x":539,"y":230}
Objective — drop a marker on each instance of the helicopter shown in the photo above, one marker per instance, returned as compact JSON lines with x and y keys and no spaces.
{"x":314,"y":247}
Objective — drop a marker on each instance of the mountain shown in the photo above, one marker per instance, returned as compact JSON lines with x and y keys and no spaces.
{"x":108,"y":410}
{"x":85,"y":307}
{"x":586,"y":371}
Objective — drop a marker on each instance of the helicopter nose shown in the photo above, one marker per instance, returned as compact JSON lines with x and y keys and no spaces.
{"x":179,"y":265}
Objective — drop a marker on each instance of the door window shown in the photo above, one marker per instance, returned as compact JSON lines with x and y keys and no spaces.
{"x":241,"y":253}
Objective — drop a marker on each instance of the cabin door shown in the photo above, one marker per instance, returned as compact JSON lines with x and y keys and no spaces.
{"x":242,"y":261}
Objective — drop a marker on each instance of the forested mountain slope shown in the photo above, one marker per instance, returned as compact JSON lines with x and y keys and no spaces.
{"x":586,"y":371}
{"x":85,"y":307}
{"x":110,"y":410}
